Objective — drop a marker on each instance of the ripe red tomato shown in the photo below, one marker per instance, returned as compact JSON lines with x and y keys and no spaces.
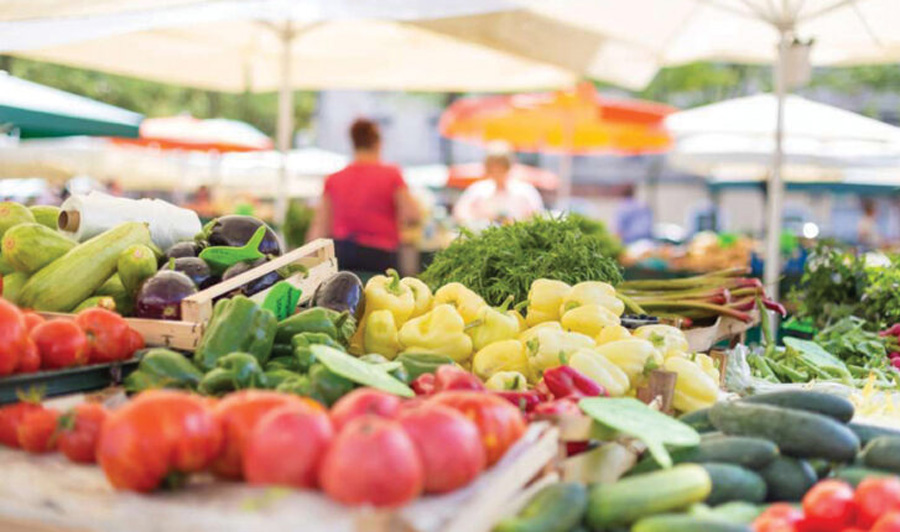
{"x":135,"y":341}
{"x":239,"y":413}
{"x":287,"y":446}
{"x":499,"y":422}
{"x":449,"y":445}
{"x":875,"y":497}
{"x":364,"y":401}
{"x":889,"y":522}
{"x":13,"y":336}
{"x":61,"y":344}
{"x":108,"y":334}
{"x":80,"y":432}
{"x":779,"y":517}
{"x":10,"y":419}
{"x":157,"y":433}
{"x":32,"y":319}
{"x":37,"y":431}
{"x":829,"y":506}
{"x":29,"y":358}
{"x":372,"y":461}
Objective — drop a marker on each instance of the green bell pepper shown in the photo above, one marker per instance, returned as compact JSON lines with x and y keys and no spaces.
{"x":163,"y":368}
{"x":302,"y":342}
{"x":289,"y":363}
{"x":237,"y":324}
{"x":394,"y":368}
{"x":327,"y":385}
{"x":417,"y":364}
{"x":273,"y":378}
{"x":340,"y":326}
{"x":235,"y":371}
{"x":281,"y":350}
{"x":302,"y":386}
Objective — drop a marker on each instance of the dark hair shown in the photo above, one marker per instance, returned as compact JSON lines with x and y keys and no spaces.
{"x":364,"y":134}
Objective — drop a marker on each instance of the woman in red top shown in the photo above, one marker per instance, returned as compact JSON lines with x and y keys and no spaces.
{"x":364,"y":205}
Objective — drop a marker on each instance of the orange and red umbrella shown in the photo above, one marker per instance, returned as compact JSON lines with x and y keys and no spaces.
{"x":189,"y":133}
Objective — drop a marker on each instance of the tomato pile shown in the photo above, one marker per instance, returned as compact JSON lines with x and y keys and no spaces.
{"x":833,"y":506}
{"x":29,"y":343}
{"x":371,"y":448}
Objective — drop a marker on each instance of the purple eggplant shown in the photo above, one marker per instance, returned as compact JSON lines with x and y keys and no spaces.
{"x":236,"y":230}
{"x":160,"y":296}
{"x":196,"y":269}
{"x":342,"y":291}
{"x":187,"y":248}
{"x":257,"y":285}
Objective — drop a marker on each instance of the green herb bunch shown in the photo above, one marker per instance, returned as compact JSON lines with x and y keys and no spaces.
{"x":832,"y":285}
{"x":880,"y":303}
{"x":504,"y":260}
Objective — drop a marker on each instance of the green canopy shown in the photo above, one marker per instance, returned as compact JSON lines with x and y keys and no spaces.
{"x":37,"y":111}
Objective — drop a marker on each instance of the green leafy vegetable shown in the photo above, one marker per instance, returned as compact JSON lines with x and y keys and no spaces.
{"x":360,"y":372}
{"x":504,"y":260}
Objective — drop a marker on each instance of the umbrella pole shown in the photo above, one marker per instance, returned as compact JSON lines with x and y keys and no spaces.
{"x":775,"y":190}
{"x":285,"y":127}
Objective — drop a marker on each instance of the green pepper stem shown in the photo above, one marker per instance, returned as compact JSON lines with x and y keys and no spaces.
{"x":522,"y":304}
{"x":506,"y":303}
{"x":393,"y":286}
{"x":472,"y":324}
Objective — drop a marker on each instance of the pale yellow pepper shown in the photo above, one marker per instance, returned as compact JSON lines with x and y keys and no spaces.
{"x":589,"y":319}
{"x":384,"y":292}
{"x":633,"y":356}
{"x":505,"y":355}
{"x":422,"y":296}
{"x":441,"y":331}
{"x":548,"y":348}
{"x":694,"y":389}
{"x":592,"y":293}
{"x":465,"y":301}
{"x":612,"y":333}
{"x":601,"y":370}
{"x":507,"y":381}
{"x":664,"y":337}
{"x":707,"y":364}
{"x":544,"y":298}
{"x":528,"y":334}
{"x":493,"y":324}
{"x":381,"y":335}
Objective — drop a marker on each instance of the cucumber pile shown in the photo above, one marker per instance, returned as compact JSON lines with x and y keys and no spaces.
{"x":757,"y":450}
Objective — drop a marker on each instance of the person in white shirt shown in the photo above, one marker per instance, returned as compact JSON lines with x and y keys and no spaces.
{"x":497,"y":198}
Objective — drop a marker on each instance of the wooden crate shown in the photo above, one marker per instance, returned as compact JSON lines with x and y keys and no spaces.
{"x":49,"y":494}
{"x":702,"y":339}
{"x":317,"y":257}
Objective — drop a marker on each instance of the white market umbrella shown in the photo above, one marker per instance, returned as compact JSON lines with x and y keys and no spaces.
{"x":736,"y":139}
{"x":30,"y":9}
{"x":674,"y":32}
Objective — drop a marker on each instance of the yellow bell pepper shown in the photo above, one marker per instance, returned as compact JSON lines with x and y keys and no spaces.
{"x":465,"y":301}
{"x":381,"y":334}
{"x":422,"y":296}
{"x":632,"y":356}
{"x":544,"y":299}
{"x":492,"y":325}
{"x":694,"y":389}
{"x":612,"y":333}
{"x":664,"y":337}
{"x":505,"y":355}
{"x":528,"y":334}
{"x":601,"y":370}
{"x":440,"y":331}
{"x":507,"y":381}
{"x":588,"y":319}
{"x":592,"y":293}
{"x":707,"y":364}
{"x":549,"y":347}
{"x":383,"y":292}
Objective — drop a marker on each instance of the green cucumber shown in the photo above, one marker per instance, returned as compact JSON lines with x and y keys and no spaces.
{"x":883,"y":453}
{"x":853,"y":475}
{"x":821,"y":467}
{"x":12,"y":286}
{"x":698,"y":420}
{"x":734,"y":483}
{"x":629,"y":499}
{"x":30,"y":246}
{"x":833,"y":406}
{"x":795,"y":432}
{"x":752,"y":453}
{"x":135,"y":265}
{"x":555,"y":508}
{"x":75,"y":276}
{"x":867,"y":433}
{"x":686,"y":523}
{"x":46,"y":215}
{"x":12,"y":214}
{"x":737,"y":512}
{"x":787,"y":479}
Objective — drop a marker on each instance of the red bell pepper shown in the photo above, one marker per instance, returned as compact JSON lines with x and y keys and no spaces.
{"x":424,"y":384}
{"x":526,"y":401}
{"x":565,"y":381}
{"x":449,"y":377}
{"x":567,"y":406}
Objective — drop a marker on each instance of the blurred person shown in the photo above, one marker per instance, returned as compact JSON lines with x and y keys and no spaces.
{"x":867,"y":229}
{"x":634,"y":218}
{"x":364,"y":206}
{"x":497,"y":198}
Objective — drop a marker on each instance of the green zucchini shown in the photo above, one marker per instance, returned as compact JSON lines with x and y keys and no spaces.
{"x":75,"y":276}
{"x":5,"y":267}
{"x":106,"y":302}
{"x":31,"y":246}
{"x":114,"y":288}
{"x":686,"y":523}
{"x":12,"y":286}
{"x":698,"y":420}
{"x":737,"y":512}
{"x":46,"y":215}
{"x":135,"y":265}
{"x":629,"y":499}
{"x":883,"y":453}
{"x":867,"y":433}
{"x":555,"y":508}
{"x":787,"y":479}
{"x":752,"y":453}
{"x":734,"y":483}
{"x":833,"y":406}
{"x":13,"y":214}
{"x":795,"y":432}
{"x":853,"y":475}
